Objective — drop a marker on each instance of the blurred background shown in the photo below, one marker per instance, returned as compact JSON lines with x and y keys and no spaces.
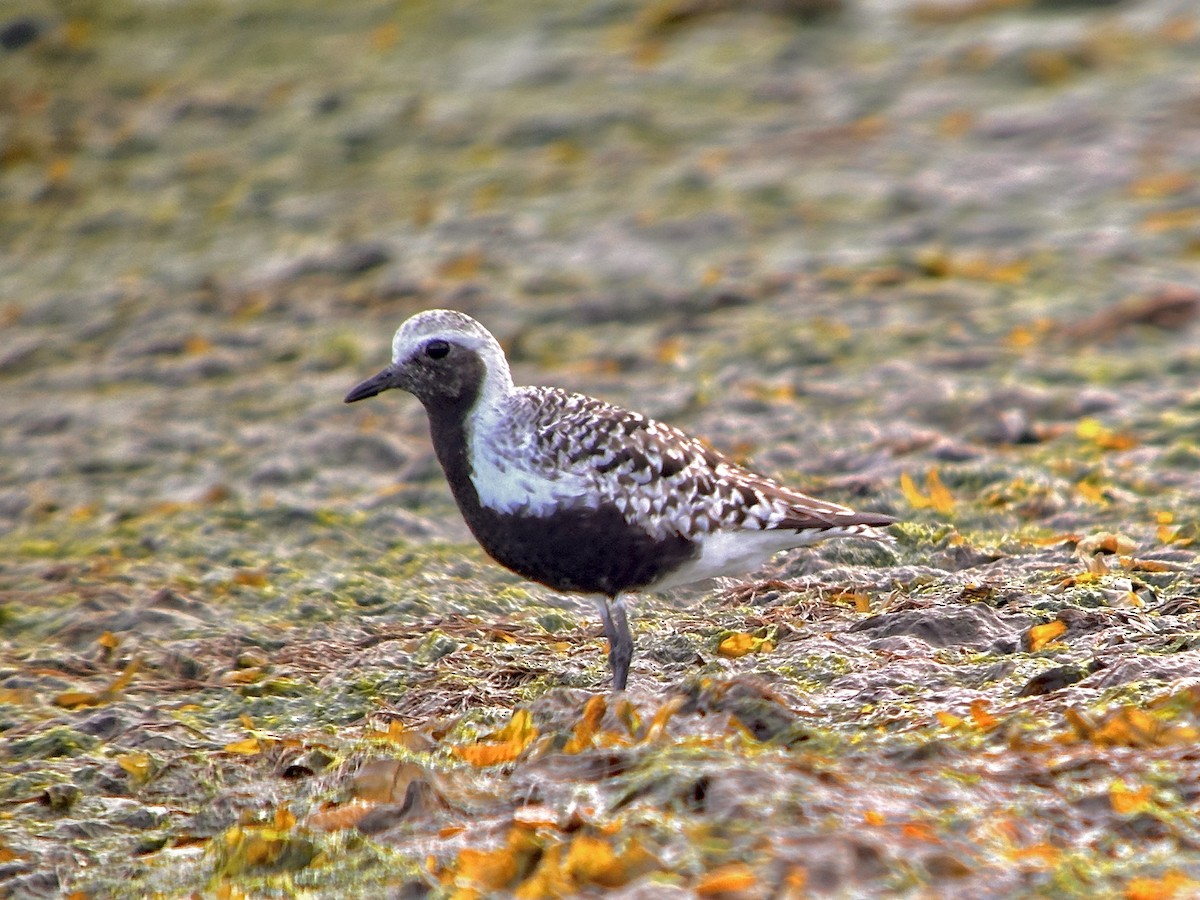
{"x":936,"y":258}
{"x":212,"y":215}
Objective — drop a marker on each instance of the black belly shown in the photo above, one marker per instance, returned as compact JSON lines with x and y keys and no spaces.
{"x":589,"y":550}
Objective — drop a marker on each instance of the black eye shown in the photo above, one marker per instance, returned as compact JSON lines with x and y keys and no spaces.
{"x":437,"y":349}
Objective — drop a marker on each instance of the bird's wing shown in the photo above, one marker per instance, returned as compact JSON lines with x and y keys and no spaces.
{"x":664,"y":480}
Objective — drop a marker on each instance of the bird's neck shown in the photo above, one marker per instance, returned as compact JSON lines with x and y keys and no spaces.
{"x":450,"y":433}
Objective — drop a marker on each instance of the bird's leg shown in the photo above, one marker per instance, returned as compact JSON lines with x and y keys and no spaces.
{"x":620,"y":641}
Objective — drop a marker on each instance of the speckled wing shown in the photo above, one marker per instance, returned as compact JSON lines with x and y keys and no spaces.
{"x":667,"y":482}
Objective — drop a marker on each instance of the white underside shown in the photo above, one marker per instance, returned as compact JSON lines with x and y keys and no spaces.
{"x":504,"y":484}
{"x":503,"y":464}
{"x":735,"y":553}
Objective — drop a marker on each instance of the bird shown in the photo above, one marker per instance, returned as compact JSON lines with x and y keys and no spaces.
{"x":584,"y":496}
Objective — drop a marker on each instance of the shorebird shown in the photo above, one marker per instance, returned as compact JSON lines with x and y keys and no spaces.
{"x":586,"y":497}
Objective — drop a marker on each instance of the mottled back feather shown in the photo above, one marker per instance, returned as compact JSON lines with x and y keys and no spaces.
{"x":562,"y":449}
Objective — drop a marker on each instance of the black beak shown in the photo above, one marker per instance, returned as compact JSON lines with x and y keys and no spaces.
{"x":376,"y":384}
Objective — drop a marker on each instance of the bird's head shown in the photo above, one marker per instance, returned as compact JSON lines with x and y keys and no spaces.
{"x":445,"y":358}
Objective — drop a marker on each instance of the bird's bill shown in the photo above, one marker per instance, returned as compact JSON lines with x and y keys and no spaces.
{"x":376,"y":384}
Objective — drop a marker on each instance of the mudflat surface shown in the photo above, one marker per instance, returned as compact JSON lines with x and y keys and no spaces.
{"x":934,"y":259}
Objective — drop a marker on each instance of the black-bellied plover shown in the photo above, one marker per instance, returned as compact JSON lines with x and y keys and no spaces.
{"x":584,"y":496}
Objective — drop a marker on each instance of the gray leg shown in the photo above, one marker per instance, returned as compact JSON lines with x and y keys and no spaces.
{"x":620,"y":641}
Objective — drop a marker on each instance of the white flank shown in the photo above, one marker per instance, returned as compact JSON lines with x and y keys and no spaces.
{"x":505,"y":483}
{"x":510,"y":471}
{"x":738,"y":552}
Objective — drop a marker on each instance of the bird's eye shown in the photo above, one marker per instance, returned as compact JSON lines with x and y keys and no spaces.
{"x":437,"y":349}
